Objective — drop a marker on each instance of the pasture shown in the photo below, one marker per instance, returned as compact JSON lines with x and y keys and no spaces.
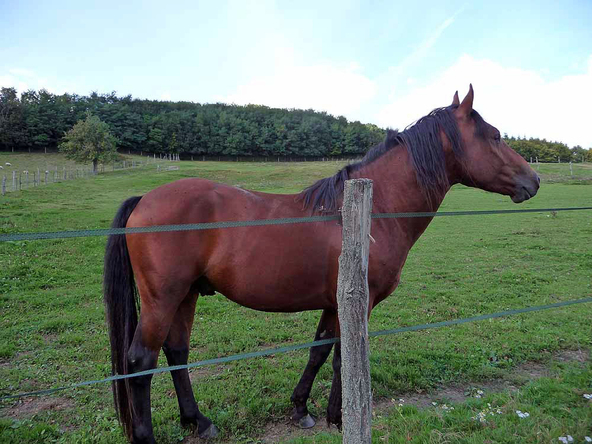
{"x":53,"y":330}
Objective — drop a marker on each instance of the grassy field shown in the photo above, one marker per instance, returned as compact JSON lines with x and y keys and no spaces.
{"x":54,"y":164}
{"x":53,"y":330}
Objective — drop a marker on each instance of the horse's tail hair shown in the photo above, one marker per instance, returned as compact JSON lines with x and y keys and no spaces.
{"x":120,"y":296}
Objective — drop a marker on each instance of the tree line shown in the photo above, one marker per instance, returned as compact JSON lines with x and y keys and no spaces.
{"x":547,"y":151}
{"x":38,"y":120}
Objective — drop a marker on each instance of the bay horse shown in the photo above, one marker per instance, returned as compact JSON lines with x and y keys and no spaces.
{"x":281,"y":268}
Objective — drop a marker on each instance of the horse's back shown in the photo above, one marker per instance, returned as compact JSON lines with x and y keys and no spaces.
{"x":288,"y":267}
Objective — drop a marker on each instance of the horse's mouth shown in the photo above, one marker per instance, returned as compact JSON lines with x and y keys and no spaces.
{"x":522,"y":195}
{"x":527,"y":186}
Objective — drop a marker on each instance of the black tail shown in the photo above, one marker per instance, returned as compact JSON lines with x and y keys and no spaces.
{"x":120,"y":305}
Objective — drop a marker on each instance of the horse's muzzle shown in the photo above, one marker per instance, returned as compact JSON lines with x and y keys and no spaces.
{"x":527,"y":186}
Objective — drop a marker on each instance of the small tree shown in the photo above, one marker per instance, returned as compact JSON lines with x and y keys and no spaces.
{"x":89,"y":141}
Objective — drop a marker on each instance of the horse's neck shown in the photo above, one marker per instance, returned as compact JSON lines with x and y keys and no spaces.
{"x":396,"y":190}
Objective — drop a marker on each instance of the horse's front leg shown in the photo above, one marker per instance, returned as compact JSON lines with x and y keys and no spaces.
{"x":334,"y":407}
{"x":318,"y":356}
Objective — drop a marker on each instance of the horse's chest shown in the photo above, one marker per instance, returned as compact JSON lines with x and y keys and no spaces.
{"x":384,"y":271}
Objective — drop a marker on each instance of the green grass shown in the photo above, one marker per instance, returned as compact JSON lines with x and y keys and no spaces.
{"x":53,"y":163}
{"x":555,"y":406}
{"x":52,"y":320}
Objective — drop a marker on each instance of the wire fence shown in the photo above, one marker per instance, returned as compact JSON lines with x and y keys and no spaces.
{"x":289,"y":348}
{"x":257,"y":223}
{"x":266,"y":222}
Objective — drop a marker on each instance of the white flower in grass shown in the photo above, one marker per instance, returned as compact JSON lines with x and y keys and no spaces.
{"x":447,"y":408}
{"x":522,"y":414}
{"x":587,"y":439}
{"x":588,"y":396}
{"x":566,"y":439}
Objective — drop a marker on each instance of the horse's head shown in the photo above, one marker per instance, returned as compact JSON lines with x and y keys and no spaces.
{"x":488,"y":162}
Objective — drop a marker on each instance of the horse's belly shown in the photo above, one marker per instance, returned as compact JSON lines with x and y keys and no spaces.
{"x":279,"y":303}
{"x":264,"y":292}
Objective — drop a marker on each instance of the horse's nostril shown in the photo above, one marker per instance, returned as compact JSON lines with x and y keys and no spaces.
{"x":538,"y":179}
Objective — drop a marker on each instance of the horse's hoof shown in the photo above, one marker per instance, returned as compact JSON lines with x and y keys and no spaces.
{"x":211,"y":432}
{"x":306,"y":422}
{"x":334,"y":422}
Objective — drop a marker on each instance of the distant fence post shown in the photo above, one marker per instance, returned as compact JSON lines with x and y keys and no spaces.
{"x":14,"y":180}
{"x":3,"y":185}
{"x":352,"y":302}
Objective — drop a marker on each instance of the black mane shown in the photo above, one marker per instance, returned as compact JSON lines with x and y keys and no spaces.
{"x":423,"y":144}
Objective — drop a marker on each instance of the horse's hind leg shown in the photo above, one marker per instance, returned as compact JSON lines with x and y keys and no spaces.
{"x":159,"y":306}
{"x":318,"y":356}
{"x":176,"y":349}
{"x":143,"y":355}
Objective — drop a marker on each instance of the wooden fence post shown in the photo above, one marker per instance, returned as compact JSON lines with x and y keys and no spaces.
{"x":352,"y":302}
{"x":3,"y":185}
{"x":14,"y":180}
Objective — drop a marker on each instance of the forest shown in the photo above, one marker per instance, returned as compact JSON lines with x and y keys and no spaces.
{"x":38,"y":120}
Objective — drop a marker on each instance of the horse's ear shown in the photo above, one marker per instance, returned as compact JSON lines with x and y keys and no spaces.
{"x":455,"y":101}
{"x":467,"y":104}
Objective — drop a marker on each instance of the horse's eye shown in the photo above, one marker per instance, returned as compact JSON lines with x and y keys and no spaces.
{"x":497,"y":138}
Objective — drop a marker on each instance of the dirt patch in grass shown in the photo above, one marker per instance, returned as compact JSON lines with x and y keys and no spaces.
{"x":28,"y":407}
{"x":452,"y":393}
{"x":198,"y":373}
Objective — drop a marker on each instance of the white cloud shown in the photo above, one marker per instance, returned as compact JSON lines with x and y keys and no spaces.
{"x":25,"y":79}
{"x":11,"y":81}
{"x":517,"y":101}
{"x":324,"y":87}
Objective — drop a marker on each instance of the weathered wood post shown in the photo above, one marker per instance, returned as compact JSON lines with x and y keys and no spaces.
{"x":352,"y":302}
{"x":570,"y":169}
{"x":3,"y":185}
{"x":14,"y":180}
{"x":46,"y":174}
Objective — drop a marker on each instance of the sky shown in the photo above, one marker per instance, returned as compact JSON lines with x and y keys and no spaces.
{"x":382,"y":62}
